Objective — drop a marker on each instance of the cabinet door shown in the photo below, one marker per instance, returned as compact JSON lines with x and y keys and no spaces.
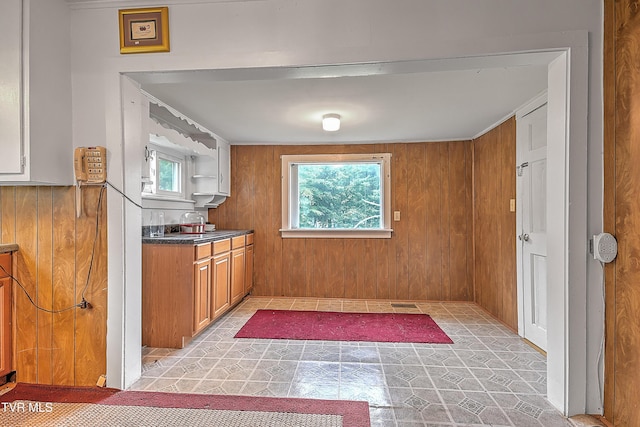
{"x":10,"y":89}
{"x":248,"y":270}
{"x":221,"y":284}
{"x":202,"y":293}
{"x":5,"y":326}
{"x":224,"y":168}
{"x":237,"y":274}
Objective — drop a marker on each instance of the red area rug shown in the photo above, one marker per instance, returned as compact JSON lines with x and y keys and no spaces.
{"x":335,"y":326}
{"x":354,"y":413}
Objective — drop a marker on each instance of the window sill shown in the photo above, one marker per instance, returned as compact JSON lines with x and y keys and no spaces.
{"x":159,"y":202}
{"x":166,"y":198}
{"x":309,"y":233}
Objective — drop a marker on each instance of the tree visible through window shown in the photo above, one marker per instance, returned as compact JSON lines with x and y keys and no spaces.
{"x":336,"y":195}
{"x":339,"y":195}
{"x":168,"y":175}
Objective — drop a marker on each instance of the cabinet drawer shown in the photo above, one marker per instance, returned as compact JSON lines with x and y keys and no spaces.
{"x":5,"y":261}
{"x":203,"y":251}
{"x":221,"y":246}
{"x":237,"y":242}
{"x":249,"y":239}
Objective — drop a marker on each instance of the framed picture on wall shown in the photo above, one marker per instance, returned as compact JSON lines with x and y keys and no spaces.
{"x":144,"y":30}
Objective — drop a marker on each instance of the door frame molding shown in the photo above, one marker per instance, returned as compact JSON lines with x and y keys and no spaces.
{"x":570,"y":384}
{"x":567,"y":245}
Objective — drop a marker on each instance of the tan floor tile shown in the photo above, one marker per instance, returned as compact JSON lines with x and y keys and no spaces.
{"x":488,"y":375}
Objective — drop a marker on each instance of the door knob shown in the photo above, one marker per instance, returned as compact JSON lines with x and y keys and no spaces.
{"x":524,"y":237}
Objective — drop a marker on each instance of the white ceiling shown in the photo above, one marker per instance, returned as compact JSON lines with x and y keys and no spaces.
{"x":434,"y":100}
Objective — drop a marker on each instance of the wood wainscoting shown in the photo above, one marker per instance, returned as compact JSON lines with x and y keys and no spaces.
{"x":428,"y":257}
{"x":622,"y":210}
{"x":52,"y":263}
{"x":494,"y":183}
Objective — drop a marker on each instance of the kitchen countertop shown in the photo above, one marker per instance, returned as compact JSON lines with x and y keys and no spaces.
{"x":194,"y":239}
{"x":8,"y":247}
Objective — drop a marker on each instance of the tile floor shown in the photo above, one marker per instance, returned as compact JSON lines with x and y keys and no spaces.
{"x":489,"y":376}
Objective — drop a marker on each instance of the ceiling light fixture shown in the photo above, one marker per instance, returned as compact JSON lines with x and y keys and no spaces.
{"x":331,"y":122}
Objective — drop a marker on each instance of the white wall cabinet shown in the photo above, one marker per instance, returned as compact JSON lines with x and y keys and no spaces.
{"x":224,"y":168}
{"x":35,"y":93}
{"x":208,"y":163}
{"x":10,"y":88}
{"x":204,"y":180}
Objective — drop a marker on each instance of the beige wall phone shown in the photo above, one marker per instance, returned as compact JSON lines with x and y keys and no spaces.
{"x":90,"y":164}
{"x":90,"y":167}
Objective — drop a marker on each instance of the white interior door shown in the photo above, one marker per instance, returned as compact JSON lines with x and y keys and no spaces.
{"x":531,"y":224}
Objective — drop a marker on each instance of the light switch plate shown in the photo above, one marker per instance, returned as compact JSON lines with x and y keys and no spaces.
{"x":512,"y":205}
{"x":396,"y":215}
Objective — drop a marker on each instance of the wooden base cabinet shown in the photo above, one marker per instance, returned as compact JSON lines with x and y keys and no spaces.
{"x":5,"y":315}
{"x":222,"y":284}
{"x":248,"y":269}
{"x":167,"y":295}
{"x":202,"y":289}
{"x":186,"y":287}
{"x":237,"y":268}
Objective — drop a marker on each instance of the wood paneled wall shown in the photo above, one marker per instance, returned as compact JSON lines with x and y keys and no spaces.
{"x":494,"y":225}
{"x":429,"y":256}
{"x":622,"y":210}
{"x":55,"y":247}
{"x":609,"y":218}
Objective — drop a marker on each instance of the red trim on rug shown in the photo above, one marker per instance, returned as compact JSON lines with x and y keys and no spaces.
{"x":60,"y":394}
{"x":354,"y":413}
{"x":340,"y":326}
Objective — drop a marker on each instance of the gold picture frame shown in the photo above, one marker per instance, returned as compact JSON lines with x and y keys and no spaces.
{"x":144,"y":30}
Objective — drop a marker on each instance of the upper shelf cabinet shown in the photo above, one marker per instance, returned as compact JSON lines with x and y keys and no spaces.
{"x":35,"y":94}
{"x":208,"y":162}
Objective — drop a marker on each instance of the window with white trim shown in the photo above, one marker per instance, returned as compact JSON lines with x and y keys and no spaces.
{"x":166,"y":173}
{"x":336,"y":195}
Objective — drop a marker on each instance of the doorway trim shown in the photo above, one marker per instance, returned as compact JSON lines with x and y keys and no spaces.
{"x":567,"y":162}
{"x":567,"y":247}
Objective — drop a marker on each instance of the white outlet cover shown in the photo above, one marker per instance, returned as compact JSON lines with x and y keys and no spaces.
{"x":605,"y":247}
